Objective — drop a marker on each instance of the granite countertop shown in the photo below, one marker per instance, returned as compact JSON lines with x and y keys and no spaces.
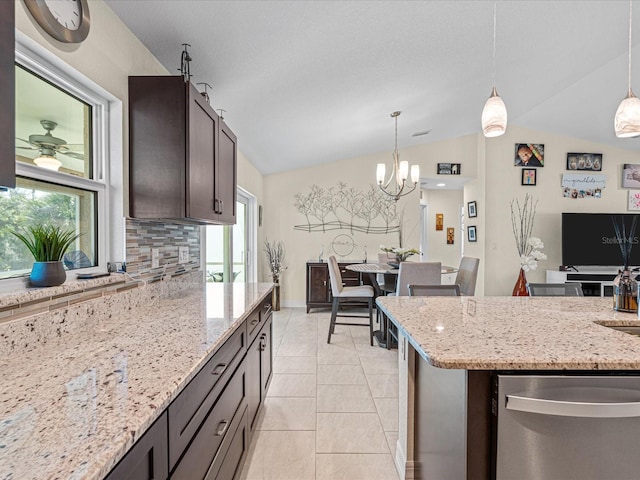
{"x":523,"y":333}
{"x":71,"y":406}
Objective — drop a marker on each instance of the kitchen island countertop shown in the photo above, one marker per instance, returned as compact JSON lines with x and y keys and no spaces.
{"x":522,"y":333}
{"x":78,"y":392}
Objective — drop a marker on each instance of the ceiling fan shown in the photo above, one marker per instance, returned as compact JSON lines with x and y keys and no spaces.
{"x":48,"y":146}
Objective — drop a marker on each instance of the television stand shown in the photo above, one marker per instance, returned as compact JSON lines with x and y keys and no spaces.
{"x":595,"y":281}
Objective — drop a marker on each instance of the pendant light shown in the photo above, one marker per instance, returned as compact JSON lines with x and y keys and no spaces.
{"x":494,"y":113}
{"x":397,"y":182}
{"x":627,"y":119}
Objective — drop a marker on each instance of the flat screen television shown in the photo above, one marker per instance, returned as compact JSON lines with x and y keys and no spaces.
{"x":590,"y":239}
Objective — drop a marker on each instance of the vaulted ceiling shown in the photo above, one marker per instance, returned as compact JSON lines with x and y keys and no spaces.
{"x":307,"y":82}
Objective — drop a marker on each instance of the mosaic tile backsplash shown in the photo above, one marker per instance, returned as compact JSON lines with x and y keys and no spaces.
{"x":143,"y":235}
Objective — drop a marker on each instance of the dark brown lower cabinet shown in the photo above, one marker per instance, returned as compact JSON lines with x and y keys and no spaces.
{"x":206,"y":431}
{"x":147,"y":460}
{"x":260,"y":361}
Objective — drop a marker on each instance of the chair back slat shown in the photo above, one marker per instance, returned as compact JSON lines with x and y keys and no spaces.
{"x":335,"y":276}
{"x":422,"y":273}
{"x":467,"y":275}
{"x":434,"y":290}
{"x":569,"y":289}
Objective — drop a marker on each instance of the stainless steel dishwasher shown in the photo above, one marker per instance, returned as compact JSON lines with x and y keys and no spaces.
{"x":568,"y":427}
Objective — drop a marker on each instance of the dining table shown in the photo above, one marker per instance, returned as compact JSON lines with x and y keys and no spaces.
{"x":375,"y":269}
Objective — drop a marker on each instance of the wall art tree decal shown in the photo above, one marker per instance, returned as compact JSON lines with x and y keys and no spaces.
{"x":345,"y":208}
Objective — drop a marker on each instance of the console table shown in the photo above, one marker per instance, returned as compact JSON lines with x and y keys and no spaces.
{"x":595,"y":282}
{"x":319,"y":285}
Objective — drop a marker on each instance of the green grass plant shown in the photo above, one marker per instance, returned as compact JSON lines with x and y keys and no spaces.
{"x":46,"y":242}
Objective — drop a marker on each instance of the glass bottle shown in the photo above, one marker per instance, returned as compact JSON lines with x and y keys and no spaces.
{"x":625,"y":292}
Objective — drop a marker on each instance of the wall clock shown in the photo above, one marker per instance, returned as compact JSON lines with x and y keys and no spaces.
{"x":65,"y":20}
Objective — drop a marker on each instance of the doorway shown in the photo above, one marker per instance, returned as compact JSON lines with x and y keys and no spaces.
{"x":230,"y":250}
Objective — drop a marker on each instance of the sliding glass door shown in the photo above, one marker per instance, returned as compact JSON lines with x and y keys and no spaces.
{"x":231,"y":250}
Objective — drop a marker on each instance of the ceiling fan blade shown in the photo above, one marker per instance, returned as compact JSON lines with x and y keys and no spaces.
{"x":23,"y":140}
{"x":27,"y":148}
{"x":77,"y":156}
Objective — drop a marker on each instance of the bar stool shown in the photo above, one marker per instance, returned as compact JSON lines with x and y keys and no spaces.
{"x":342,"y":293}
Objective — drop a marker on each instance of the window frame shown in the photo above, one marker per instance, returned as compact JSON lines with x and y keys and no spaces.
{"x":43,"y":63}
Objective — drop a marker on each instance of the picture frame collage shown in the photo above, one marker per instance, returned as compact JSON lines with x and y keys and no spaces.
{"x":472,"y":212}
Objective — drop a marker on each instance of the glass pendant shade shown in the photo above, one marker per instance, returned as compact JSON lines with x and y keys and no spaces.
{"x":48,"y":162}
{"x":494,"y":116}
{"x":380,"y":172}
{"x":627,"y":119}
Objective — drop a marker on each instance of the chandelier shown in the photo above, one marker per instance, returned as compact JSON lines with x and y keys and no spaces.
{"x":396,"y":184}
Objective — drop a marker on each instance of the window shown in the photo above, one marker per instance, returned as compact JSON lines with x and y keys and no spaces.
{"x":61,"y":174}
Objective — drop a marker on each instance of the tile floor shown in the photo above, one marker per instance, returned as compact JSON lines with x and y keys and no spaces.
{"x":331,"y":410}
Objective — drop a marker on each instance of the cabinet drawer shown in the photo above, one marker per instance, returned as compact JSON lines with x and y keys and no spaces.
{"x":204,"y":448}
{"x":253,"y":324}
{"x":187,"y":412}
{"x":231,"y":464}
{"x":147,"y":459}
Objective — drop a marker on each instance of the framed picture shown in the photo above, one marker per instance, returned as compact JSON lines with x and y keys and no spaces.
{"x":528,"y":176}
{"x":471,"y":209}
{"x":630,"y":175}
{"x":449,"y":169}
{"x":471,"y":233}
{"x":450,"y":235}
{"x":529,"y":155}
{"x":439,"y":221}
{"x":634,"y":200}
{"x":584,"y":161}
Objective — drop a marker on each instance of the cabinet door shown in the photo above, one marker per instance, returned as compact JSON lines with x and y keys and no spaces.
{"x":253,"y":381}
{"x":266,"y":360}
{"x":203,"y":137}
{"x":7,"y":96}
{"x":148,"y":459}
{"x":318,"y":284}
{"x":226,"y":180}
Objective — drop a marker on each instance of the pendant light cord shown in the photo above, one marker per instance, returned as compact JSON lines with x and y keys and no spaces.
{"x":630,"y":17}
{"x":494,"y":45}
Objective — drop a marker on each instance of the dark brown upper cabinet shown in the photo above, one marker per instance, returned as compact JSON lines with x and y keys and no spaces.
{"x":7,"y":96}
{"x":182,"y":157}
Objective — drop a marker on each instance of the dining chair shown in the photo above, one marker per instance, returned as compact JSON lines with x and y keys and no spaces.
{"x":417,"y":273}
{"x":386,"y":281}
{"x":467,"y":275}
{"x":341,"y":293}
{"x":416,"y":290}
{"x":569,"y":289}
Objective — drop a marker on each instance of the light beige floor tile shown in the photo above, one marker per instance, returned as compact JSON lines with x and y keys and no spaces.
{"x":341,"y":375}
{"x":388,"y":412}
{"x":383,"y":386}
{"x":281,"y":456}
{"x":392,"y":441}
{"x":294,"y":365}
{"x":350,"y":433}
{"x":379,"y":366}
{"x":336,"y":354}
{"x":355,"y":467}
{"x":287,"y":414}
{"x":345,"y":398}
{"x":365,"y":351}
{"x":299,"y":337}
{"x":298,"y":350}
{"x":292,"y":385}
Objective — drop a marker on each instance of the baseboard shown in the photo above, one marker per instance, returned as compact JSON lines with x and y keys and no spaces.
{"x":407,"y":470}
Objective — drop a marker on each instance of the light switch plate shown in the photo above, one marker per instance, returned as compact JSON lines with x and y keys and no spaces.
{"x":155,"y":258}
{"x":183,"y":255}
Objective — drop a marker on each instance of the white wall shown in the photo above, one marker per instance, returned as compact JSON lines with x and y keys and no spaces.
{"x":447,"y":202}
{"x":280,"y":215}
{"x":503,"y":184}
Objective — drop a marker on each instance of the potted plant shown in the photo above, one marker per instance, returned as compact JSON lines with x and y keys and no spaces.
{"x":48,"y":245}
{"x":275,"y":258}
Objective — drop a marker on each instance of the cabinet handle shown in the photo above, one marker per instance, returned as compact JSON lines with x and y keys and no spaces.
{"x":219,"y":369}
{"x":254,"y":321}
{"x":324,"y":283}
{"x":221,"y":206}
{"x":222,"y":427}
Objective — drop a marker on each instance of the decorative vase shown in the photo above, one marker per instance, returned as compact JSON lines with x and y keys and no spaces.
{"x":625,"y":292}
{"x":47,"y":274}
{"x":520,"y":288}
{"x":275,"y":296}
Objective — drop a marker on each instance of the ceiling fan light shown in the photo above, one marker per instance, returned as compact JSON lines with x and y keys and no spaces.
{"x":48,"y":162}
{"x":494,"y":116}
{"x":627,"y":119}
